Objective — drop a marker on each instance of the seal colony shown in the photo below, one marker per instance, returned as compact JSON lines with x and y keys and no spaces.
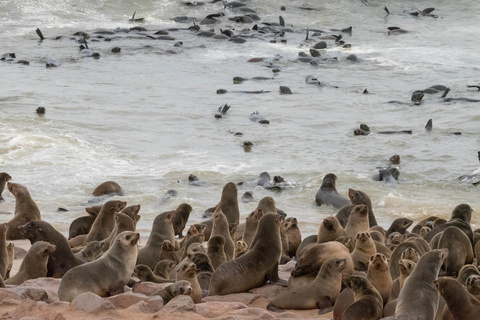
{"x":363,"y":254}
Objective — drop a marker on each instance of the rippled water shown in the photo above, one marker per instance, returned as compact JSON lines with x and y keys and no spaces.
{"x":145,"y":117}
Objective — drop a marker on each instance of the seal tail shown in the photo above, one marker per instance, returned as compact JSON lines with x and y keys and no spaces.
{"x":40,"y":34}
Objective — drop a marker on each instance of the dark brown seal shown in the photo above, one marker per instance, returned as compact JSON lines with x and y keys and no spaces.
{"x":144,"y":273}
{"x":110,"y":188}
{"x":105,"y":221}
{"x":25,"y":210}
{"x":460,"y":250}
{"x":4,"y":178}
{"x":399,"y":225}
{"x":294,"y":235}
{"x":181,"y":218}
{"x":460,"y":302}
{"x":62,"y":259}
{"x":164,"y":267}
{"x":216,"y":251}
{"x":34,"y":265}
{"x":182,"y":287}
{"x":327,"y":194}
{"x":321,"y":293}
{"x":105,"y":276}
{"x":255,"y":267}
{"x":329,"y":230}
{"x":368,"y":304}
{"x":360,"y":197}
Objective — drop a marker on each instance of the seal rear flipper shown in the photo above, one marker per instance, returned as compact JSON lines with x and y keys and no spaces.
{"x":271,"y":307}
{"x":116,"y":289}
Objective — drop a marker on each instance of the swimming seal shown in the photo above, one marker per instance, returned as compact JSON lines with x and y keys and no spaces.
{"x":105,"y":276}
{"x":255,"y":267}
{"x":110,"y":188}
{"x":328,"y":193}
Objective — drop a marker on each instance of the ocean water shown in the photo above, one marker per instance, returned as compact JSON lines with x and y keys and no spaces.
{"x":144,"y":117}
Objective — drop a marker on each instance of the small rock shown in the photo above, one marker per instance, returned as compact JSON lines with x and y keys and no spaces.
{"x":179,"y":304}
{"x":35,"y":294}
{"x":246,"y":298}
{"x":6,"y":295}
{"x":90,"y":302}
{"x":141,"y":307}
{"x":216,"y":308}
{"x":125,"y":300}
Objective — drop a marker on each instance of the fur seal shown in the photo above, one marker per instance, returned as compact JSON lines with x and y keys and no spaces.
{"x":251,"y":224}
{"x":4,"y":178}
{"x":10,"y":258}
{"x":25,"y":210}
{"x":294,"y":235}
{"x":34,"y":265}
{"x":181,"y":217}
{"x":473,"y":285}
{"x":105,"y":276}
{"x":91,"y":251}
{"x":357,"y":220}
{"x":3,"y":250}
{"x":255,"y":267}
{"x":406,"y":267}
{"x":186,"y":271}
{"x":62,"y":259}
{"x":460,"y":250}
{"x":462,"y":304}
{"x":399,"y":225}
{"x":360,"y":197}
{"x":216,"y":251}
{"x":320,"y":293}
{"x":328,"y":193}
{"x":418,"y":298}
{"x":329,"y":230}
{"x":195,"y":240}
{"x":162,"y":229}
{"x":203,"y":269}
{"x":123,"y":222}
{"x":240,"y":248}
{"x":144,"y":273}
{"x":182,"y":287}
{"x":110,"y":188}
{"x":220,"y":227}
{"x":420,"y":246}
{"x":104,"y":222}
{"x":466,"y":271}
{"x":364,"y":249}
{"x":368,"y":304}
{"x":164,"y":267}
{"x":229,"y":203}
{"x":461,"y":218}
{"x":82,"y":225}
{"x":379,"y":275}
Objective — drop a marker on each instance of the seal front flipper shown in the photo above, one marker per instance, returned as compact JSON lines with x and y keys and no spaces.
{"x":324,"y":305}
{"x":429,"y":125}
{"x":40,"y":34}
{"x":446,"y":92}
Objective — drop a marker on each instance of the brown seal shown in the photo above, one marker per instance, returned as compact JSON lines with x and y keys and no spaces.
{"x":4,"y":178}
{"x":321,"y":293}
{"x":473,"y":285}
{"x":364,"y":249}
{"x":105,"y":276}
{"x":360,"y":197}
{"x":284,"y":240}
{"x":394,"y":239}
{"x":462,"y":304}
{"x":460,"y":218}
{"x":466,"y":271}
{"x":80,"y":226}
{"x":406,"y":267}
{"x":294,"y":235}
{"x":251,"y":224}
{"x":3,"y":250}
{"x":144,"y":273}
{"x":460,"y":250}
{"x":216,"y":251}
{"x":10,"y":258}
{"x":162,"y":229}
{"x":181,"y":218}
{"x":91,"y":251}
{"x":220,"y":227}
{"x":62,"y":259}
{"x":25,"y":210}
{"x":164,"y":267}
{"x":399,"y":225}
{"x":34,"y":265}
{"x":203,"y":269}
{"x":255,"y":267}
{"x":186,"y":271}
{"x":368,"y":302}
{"x":377,"y":236}
{"x":379,"y":275}
{"x":105,"y":221}
{"x":420,"y":246}
{"x":132,"y":212}
{"x":229,"y":203}
{"x":327,"y":194}
{"x":240,"y":248}
{"x":194,"y":241}
{"x":110,"y":188}
{"x":329,"y":230}
{"x":418,"y":298}
{"x":123,"y":222}
{"x":182,"y":287}
{"x":357,"y":220}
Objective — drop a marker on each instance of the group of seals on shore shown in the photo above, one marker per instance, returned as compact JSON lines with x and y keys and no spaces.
{"x":351,"y":252}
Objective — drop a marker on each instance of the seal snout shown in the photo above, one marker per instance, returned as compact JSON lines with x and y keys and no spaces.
{"x":23,"y":230}
{"x":134,"y":239}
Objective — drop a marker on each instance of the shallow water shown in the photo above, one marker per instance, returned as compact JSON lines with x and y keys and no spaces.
{"x":145,"y":117}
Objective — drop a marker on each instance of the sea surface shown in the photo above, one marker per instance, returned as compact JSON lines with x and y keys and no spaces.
{"x":144,"y":117}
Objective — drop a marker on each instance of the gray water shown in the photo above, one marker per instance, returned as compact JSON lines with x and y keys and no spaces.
{"x":145,"y":117}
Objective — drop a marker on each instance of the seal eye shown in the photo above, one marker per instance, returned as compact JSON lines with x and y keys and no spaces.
{"x":127,"y":237}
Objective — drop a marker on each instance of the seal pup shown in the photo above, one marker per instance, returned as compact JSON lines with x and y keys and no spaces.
{"x":162,"y":229}
{"x":110,"y":188}
{"x":4,"y":178}
{"x":418,"y":298}
{"x":466,"y":271}
{"x":25,"y":210}
{"x":368,"y":304}
{"x":186,"y":271}
{"x":216,"y":251}
{"x":203,"y":269}
{"x":105,"y":221}
{"x":460,"y":218}
{"x":240,"y":248}
{"x":473,"y":285}
{"x":181,"y":217}
{"x":251,"y":224}
{"x":164,"y":267}
{"x":255,"y":267}
{"x":364,"y":249}
{"x":406,"y":267}
{"x":62,"y":259}
{"x":320,"y":293}
{"x":10,"y":258}
{"x":357,"y":220}
{"x":328,"y":193}
{"x":329,"y":230}
{"x":379,"y":276}
{"x":462,"y":304}
{"x":182,"y":287}
{"x":294,"y":235}
{"x":220,"y":227}
{"x":105,"y":276}
{"x":144,"y":273}
{"x":91,"y":251}
{"x":123,"y":222}
{"x":34,"y":265}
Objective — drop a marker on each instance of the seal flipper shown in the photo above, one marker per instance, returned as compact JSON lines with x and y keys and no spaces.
{"x":271,"y":307}
{"x":445,"y":93}
{"x":40,"y":34}
{"x":282,"y":22}
{"x":324,"y":305}
{"x":116,"y":289}
{"x":273,"y":278}
{"x":429,"y":124}
{"x":386,"y":10}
